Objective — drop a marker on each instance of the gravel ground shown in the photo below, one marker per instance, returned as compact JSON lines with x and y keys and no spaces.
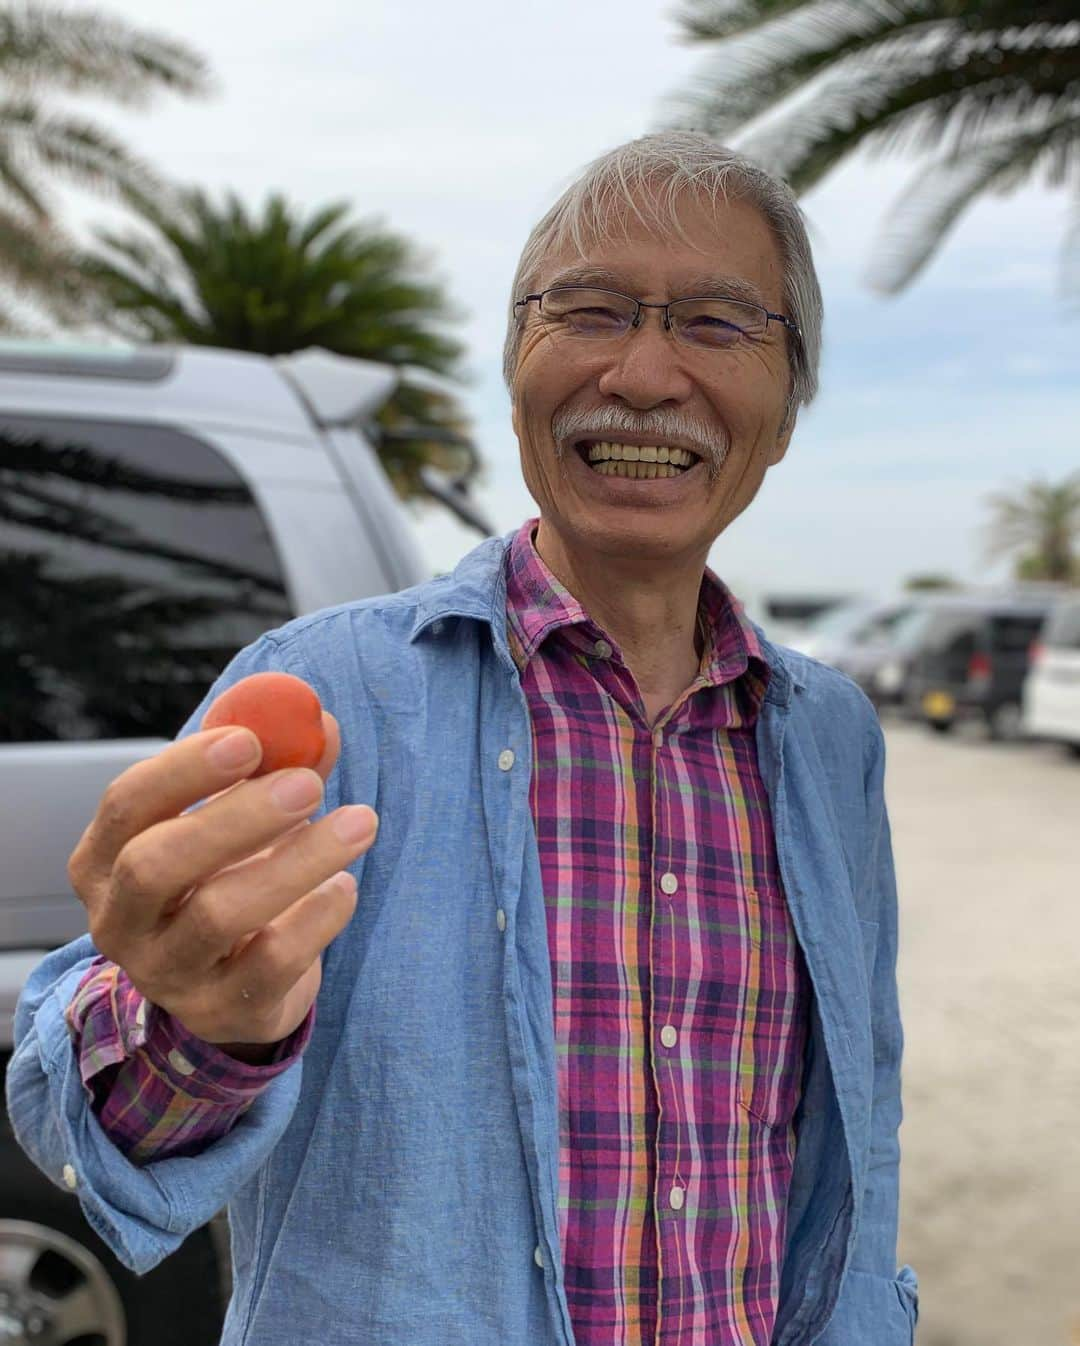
{"x":987,"y":845}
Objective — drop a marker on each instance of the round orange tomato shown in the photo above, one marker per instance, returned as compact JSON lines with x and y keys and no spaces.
{"x":282,"y":710}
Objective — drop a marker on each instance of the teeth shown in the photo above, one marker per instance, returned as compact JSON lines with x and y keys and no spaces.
{"x":633,"y":453}
{"x":615,"y":467}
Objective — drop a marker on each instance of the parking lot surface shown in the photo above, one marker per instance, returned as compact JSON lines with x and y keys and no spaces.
{"x":987,"y":845}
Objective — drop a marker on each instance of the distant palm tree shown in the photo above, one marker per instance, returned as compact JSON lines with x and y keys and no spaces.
{"x":218,"y":275}
{"x":49,"y":52}
{"x":987,"y":90}
{"x":1041,"y":523}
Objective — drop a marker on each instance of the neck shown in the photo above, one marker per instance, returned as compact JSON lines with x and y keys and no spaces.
{"x":649,"y":608}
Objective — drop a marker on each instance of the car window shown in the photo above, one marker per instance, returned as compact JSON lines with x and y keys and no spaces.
{"x":912,"y":627}
{"x":949,"y":632}
{"x":882,"y":626}
{"x":840,"y":621}
{"x":1013,"y":633}
{"x":1063,"y":628}
{"x":134,"y":564}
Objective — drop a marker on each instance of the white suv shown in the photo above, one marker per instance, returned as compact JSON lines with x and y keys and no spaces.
{"x":1051,"y":705}
{"x":159,"y":509}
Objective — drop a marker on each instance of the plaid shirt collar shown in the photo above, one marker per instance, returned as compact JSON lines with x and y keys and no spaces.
{"x":538,"y":606}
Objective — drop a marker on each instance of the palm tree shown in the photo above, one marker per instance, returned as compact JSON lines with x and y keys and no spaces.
{"x":1041,"y":522}
{"x":218,"y":275}
{"x":987,"y":90}
{"x":47,"y":51}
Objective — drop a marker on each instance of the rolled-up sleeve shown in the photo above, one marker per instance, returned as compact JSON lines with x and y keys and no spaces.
{"x":143,"y":1212}
{"x":156,"y":1089}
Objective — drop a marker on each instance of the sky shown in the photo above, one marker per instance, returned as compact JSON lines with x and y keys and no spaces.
{"x":457,"y":126}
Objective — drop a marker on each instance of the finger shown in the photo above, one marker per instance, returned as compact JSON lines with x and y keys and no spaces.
{"x":156,"y":789}
{"x":326,"y":762}
{"x":176,"y":855}
{"x":239,"y":901}
{"x":332,"y":730}
{"x":275,"y":958}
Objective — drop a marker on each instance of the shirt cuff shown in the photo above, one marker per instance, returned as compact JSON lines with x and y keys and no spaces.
{"x":111,"y":1022}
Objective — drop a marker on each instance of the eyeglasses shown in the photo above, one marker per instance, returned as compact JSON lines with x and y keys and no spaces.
{"x":708,"y":323}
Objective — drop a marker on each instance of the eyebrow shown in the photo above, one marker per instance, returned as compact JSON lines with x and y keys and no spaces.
{"x":705,"y":284}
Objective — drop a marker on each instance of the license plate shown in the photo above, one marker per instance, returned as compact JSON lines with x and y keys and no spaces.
{"x":938,"y":705}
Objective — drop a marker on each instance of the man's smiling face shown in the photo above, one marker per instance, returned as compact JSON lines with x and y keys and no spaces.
{"x":647,"y":388}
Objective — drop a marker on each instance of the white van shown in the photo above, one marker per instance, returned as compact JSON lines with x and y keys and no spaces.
{"x":1051,"y":696}
{"x":159,"y":509}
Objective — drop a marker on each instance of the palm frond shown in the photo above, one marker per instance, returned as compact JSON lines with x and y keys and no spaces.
{"x":714,"y":20}
{"x":81,"y":51}
{"x":928,"y":210}
{"x":15,"y":181}
{"x":750,"y":75}
{"x":902,"y":98}
{"x":35,"y":139}
{"x":138,"y":288}
{"x":31,"y":252}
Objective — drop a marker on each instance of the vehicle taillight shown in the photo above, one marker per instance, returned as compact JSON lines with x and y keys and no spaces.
{"x":979,"y":668}
{"x":1036,"y":653}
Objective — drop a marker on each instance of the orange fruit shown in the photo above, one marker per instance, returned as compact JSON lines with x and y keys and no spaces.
{"x":282,"y":710}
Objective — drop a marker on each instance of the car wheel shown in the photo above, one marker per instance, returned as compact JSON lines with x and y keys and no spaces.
{"x":60,"y":1284}
{"x":1073,"y":749}
{"x":1005,"y":722}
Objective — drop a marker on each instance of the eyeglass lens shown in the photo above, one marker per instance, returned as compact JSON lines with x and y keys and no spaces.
{"x":715,"y":323}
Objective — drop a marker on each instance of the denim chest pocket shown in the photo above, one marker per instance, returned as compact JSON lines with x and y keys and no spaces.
{"x":776,"y":1011}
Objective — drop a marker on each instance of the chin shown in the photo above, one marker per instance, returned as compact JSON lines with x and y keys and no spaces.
{"x":642,"y":539}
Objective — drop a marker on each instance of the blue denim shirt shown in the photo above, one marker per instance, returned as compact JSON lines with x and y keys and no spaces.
{"x":399,"y":1184}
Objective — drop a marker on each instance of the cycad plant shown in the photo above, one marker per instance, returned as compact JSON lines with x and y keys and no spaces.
{"x":48,"y":53}
{"x":987,"y":91}
{"x":276,"y":280}
{"x":1040,"y":526}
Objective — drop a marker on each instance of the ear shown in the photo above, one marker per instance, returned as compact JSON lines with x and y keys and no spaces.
{"x":783,"y":435}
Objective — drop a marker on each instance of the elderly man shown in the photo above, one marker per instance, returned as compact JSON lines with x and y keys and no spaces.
{"x":605,"y":1049}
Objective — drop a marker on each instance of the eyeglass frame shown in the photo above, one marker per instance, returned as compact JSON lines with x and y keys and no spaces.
{"x":789,"y":323}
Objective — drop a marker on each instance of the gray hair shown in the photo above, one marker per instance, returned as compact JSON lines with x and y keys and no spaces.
{"x":677,"y":160}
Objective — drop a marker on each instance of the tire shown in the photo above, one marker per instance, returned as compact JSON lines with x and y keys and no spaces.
{"x":1004,"y":723}
{"x":60,"y":1283}
{"x":1073,"y":749}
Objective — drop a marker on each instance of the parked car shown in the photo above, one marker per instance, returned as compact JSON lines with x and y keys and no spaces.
{"x":967,"y":657}
{"x":159,"y":509}
{"x":786,"y":618}
{"x":859,"y":638}
{"x":1051,"y":694}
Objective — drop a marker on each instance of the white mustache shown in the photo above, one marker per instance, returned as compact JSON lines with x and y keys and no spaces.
{"x":569,"y":424}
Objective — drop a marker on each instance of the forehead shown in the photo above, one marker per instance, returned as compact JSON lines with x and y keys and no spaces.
{"x":726,"y":248}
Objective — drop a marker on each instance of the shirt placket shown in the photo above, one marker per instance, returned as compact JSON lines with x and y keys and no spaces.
{"x":674,"y":1201}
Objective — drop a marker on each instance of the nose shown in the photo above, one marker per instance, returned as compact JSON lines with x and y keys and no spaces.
{"x":646,"y":368}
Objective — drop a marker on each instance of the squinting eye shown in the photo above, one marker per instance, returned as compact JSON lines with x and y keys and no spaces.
{"x":713,"y":331}
{"x":594,"y":316}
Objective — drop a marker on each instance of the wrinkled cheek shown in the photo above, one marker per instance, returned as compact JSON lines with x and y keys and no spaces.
{"x":538,"y":463}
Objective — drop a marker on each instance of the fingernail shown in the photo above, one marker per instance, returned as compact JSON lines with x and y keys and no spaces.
{"x":355,"y":824}
{"x":296,"y":791}
{"x":232,"y":751}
